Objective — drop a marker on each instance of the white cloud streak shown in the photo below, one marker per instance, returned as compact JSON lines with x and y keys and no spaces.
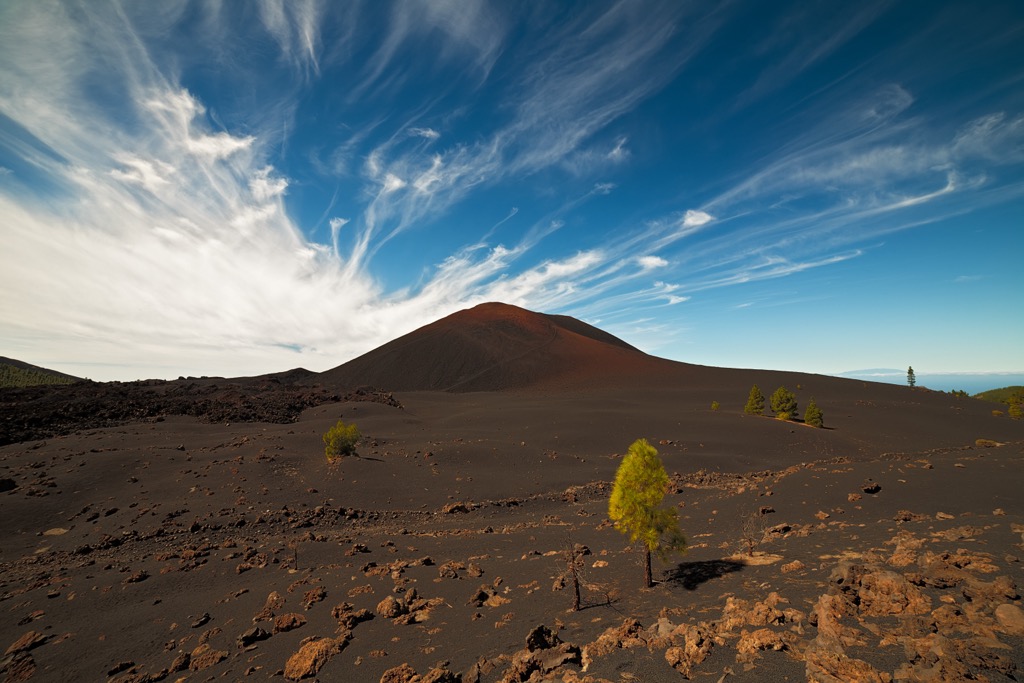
{"x":111,"y":209}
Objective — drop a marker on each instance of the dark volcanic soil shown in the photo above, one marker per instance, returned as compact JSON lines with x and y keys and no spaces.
{"x":168,"y":547}
{"x":118,"y":542}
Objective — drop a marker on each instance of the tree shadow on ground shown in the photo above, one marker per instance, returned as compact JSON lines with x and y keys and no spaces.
{"x":689,"y":575}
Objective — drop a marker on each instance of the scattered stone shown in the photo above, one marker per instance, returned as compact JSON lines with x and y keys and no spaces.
{"x":908,"y":516}
{"x":138,"y":576}
{"x":29,"y":641}
{"x":389,"y":607}
{"x":204,"y":656}
{"x":794,"y":566}
{"x":751,"y":643}
{"x":871,"y":487}
{"x":943,"y":515}
{"x":120,"y":667}
{"x":348,"y":616}
{"x":399,"y":674}
{"x":313,"y":596}
{"x":312,"y":656}
{"x":180,"y":662}
{"x":288,"y":622}
{"x":253,"y":635}
{"x":7,"y":484}
{"x":1010,"y":618}
{"x":274,"y":602}
{"x":828,"y":666}
{"x":544,"y":653}
{"x":886,"y":593}
{"x":541,"y":638}
{"x":449,"y":570}
{"x":202,"y":620}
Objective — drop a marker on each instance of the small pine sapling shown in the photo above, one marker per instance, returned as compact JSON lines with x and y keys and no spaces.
{"x":813,"y":415}
{"x":755,"y":402}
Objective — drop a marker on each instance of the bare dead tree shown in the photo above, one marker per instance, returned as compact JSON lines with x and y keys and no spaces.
{"x":753,"y":528}
{"x":573,"y":561}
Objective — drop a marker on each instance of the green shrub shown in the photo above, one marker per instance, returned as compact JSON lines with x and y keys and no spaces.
{"x":13,"y":376}
{"x":755,"y":402}
{"x":1015,"y":411}
{"x":340,"y":440}
{"x":715,"y":405}
{"x":985,"y":443}
{"x":813,"y":415}
{"x":784,"y":403}
{"x":997,"y":413}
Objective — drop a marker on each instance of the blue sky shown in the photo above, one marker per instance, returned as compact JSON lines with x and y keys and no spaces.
{"x":238,"y":188}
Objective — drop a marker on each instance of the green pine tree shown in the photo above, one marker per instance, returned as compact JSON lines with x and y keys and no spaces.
{"x":784,"y":404}
{"x":911,"y":377}
{"x":813,"y":415}
{"x":636,"y":505}
{"x":755,"y":402}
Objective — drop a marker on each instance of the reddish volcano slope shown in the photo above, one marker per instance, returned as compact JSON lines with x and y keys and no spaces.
{"x":496,"y":347}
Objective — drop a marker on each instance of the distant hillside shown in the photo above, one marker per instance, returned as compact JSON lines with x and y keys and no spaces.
{"x":1000,"y":395}
{"x":496,"y":347}
{"x":16,"y":373}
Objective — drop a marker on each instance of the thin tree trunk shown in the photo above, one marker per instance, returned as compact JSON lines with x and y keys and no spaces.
{"x":648,"y":578}
{"x":574,"y":574}
{"x":575,"y":590}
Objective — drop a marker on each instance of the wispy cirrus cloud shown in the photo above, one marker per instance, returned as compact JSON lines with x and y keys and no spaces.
{"x":176,"y":203}
{"x":295,"y":25}
{"x":131,"y":177}
{"x":788,"y":47}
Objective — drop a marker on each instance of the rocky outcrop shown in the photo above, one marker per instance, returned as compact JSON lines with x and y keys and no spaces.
{"x":312,"y":656}
{"x":544,"y":653}
{"x":406,"y":674}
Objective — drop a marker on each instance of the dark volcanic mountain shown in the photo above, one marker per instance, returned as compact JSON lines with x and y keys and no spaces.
{"x":496,"y":347}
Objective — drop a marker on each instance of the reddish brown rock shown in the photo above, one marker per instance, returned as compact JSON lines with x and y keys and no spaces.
{"x":691,"y":646}
{"x":288,"y":622}
{"x":544,"y":653}
{"x":399,"y":674}
{"x":312,"y":656}
{"x":389,"y":607}
{"x":827,"y":615}
{"x":629,"y":634}
{"x":30,"y":640}
{"x":313,"y":596}
{"x":886,"y":593}
{"x":1010,"y":618}
{"x":824,"y":665}
{"x":750,"y":643}
{"x":204,"y":656}
{"x":794,"y":566}
{"x":270,"y":607}
{"x":20,"y":667}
